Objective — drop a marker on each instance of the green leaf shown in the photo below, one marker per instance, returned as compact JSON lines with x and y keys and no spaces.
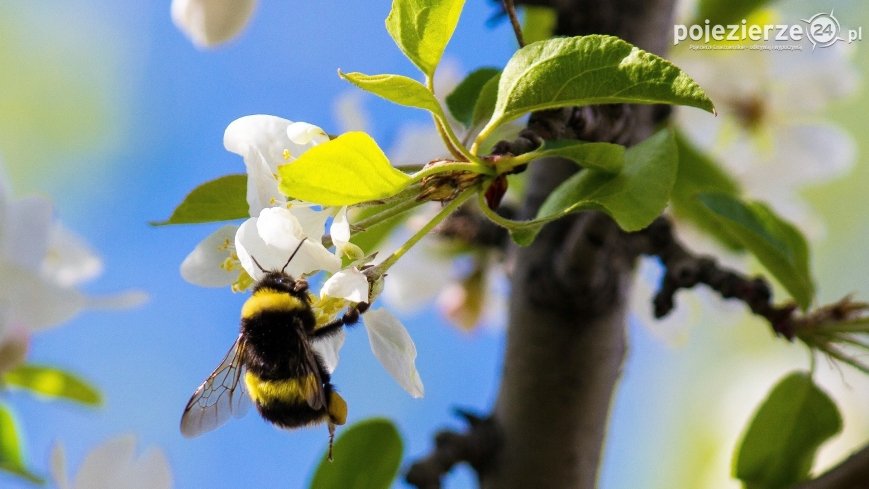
{"x":397,"y":89}
{"x":422,"y":29}
{"x":485,"y":105}
{"x":463,"y":98}
{"x":52,"y":383}
{"x":726,"y":11}
{"x":11,"y":458}
{"x":587,"y":70}
{"x":366,"y":456}
{"x":223,"y":199}
{"x":778,"y":245}
{"x":633,"y":197}
{"x":780,"y":445}
{"x":539,"y":23}
{"x":346,"y":170}
{"x":699,"y":174}
{"x":606,"y":157}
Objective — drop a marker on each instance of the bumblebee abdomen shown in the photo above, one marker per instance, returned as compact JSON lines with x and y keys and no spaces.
{"x":293,"y":390}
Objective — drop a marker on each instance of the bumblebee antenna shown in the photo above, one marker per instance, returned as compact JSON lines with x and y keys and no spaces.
{"x":294,"y":254}
{"x":257,"y":264}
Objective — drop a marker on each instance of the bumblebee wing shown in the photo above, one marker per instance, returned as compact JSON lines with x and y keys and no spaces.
{"x":220,"y":396}
{"x":315,"y":393}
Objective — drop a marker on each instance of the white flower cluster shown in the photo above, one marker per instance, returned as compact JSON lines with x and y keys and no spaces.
{"x":41,"y":265}
{"x":278,"y":226}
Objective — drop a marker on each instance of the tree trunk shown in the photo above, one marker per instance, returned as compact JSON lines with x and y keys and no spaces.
{"x":566,"y":336}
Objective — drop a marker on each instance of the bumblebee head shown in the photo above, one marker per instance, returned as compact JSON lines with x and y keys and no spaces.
{"x":279,"y":279}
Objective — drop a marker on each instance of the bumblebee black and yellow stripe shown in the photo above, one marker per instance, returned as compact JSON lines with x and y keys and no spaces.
{"x":271,"y":300}
{"x":290,"y":391}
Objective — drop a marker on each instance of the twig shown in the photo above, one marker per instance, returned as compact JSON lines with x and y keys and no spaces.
{"x":476,"y":447}
{"x":685,"y":270}
{"x":852,"y":473}
{"x":514,"y":20}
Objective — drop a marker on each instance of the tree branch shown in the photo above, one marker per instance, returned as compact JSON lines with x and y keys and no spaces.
{"x":852,"y":473}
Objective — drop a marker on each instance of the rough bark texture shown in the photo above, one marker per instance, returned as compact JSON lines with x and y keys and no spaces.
{"x":566,"y":337}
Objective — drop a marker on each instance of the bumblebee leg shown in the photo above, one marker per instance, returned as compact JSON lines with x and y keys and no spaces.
{"x":331,"y":438}
{"x":349,"y":318}
{"x":337,"y":409}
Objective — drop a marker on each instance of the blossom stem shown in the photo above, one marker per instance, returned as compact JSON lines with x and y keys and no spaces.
{"x":471,"y":166}
{"x":440,"y":216}
{"x":387,"y":214}
{"x":454,"y":145}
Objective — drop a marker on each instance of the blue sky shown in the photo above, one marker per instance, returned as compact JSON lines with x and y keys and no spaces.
{"x":163,"y":108}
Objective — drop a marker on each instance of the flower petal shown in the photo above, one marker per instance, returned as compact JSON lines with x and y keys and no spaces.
{"x":350,"y":284}
{"x":394,"y":348}
{"x":208,"y":265}
{"x":261,"y":140}
{"x":35,"y":303}
{"x":211,"y":22}
{"x":26,"y":227}
{"x":303,"y":133}
{"x":340,"y":233}
{"x":107,"y":465}
{"x":70,"y":260}
{"x":328,"y":348}
{"x":58,"y":466}
{"x":249,"y":244}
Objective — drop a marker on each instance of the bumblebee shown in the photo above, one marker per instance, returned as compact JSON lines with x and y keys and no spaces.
{"x":273,"y":364}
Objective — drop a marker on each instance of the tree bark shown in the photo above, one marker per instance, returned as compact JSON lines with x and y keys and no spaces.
{"x":566,"y":335}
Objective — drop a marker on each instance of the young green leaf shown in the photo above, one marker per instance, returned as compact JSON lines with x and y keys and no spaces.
{"x":780,"y":445}
{"x":777,"y":244}
{"x":587,"y":70}
{"x":464,"y":97}
{"x":606,"y":157}
{"x":698,"y":174}
{"x":366,"y":456}
{"x":346,"y":170}
{"x":422,"y":29}
{"x":633,"y":197}
{"x":223,"y":199}
{"x":11,"y":458}
{"x":397,"y":89}
{"x":52,"y":383}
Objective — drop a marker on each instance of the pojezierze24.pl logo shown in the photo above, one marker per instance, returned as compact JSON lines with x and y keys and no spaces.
{"x":822,"y":30}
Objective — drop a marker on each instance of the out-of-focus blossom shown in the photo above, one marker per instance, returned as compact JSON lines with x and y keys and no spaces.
{"x":114,"y":465}
{"x":41,"y":263}
{"x":771,"y":133}
{"x":211,"y":22}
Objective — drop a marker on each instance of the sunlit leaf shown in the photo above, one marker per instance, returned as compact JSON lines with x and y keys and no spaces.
{"x":422,"y":29}
{"x":366,"y":456}
{"x":698,"y":174}
{"x":398,"y":89}
{"x":222,"y":199}
{"x":11,"y":458}
{"x":777,"y":244}
{"x":587,"y":70}
{"x":780,"y":445}
{"x":52,"y":383}
{"x":346,"y":170}
{"x":464,"y":97}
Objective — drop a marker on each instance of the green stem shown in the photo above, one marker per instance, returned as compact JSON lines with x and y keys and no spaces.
{"x":387,"y":214}
{"x":440,"y":216}
{"x":454,"y":145}
{"x":471,"y":166}
{"x":496,"y":218}
{"x":481,"y":137}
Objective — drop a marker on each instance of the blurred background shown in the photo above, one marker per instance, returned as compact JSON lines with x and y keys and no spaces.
{"x":106,"y":108}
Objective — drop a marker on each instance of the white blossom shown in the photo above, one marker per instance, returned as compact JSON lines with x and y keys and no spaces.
{"x":394,"y":348}
{"x":273,"y":238}
{"x":211,"y":22}
{"x":213,"y":262}
{"x":265,"y":142}
{"x":114,"y":465}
